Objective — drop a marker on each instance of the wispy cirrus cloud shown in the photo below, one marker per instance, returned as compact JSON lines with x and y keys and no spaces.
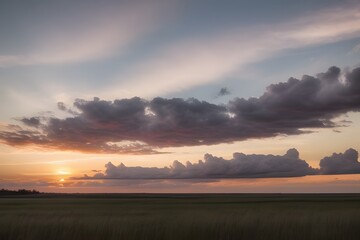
{"x":355,"y":49}
{"x":139,"y":126}
{"x":88,"y":34}
{"x":209,"y":57}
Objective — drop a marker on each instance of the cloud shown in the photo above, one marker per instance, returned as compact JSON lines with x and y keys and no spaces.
{"x":212,"y":56}
{"x":139,"y":126}
{"x":355,"y":49}
{"x":341,"y":163}
{"x":240,"y":166}
{"x":32,"y":122}
{"x":223,"y":92}
{"x":61,"y":106}
{"x":86,"y":33}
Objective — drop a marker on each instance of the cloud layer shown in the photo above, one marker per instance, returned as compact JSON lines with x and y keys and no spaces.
{"x":240,"y":166}
{"x":138,"y":126}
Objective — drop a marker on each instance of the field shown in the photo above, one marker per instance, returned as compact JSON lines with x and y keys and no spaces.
{"x":177,"y":216}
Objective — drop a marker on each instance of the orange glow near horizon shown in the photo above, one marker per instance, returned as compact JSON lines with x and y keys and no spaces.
{"x":307,"y":184}
{"x":63,"y":172}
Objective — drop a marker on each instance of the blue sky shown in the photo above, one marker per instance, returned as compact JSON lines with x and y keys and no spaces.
{"x":60,"y":51}
{"x":84,"y":49}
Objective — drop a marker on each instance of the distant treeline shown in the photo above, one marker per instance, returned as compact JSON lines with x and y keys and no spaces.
{"x":18,"y":192}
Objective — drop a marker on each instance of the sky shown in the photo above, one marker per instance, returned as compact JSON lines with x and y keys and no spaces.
{"x":180,"y":96}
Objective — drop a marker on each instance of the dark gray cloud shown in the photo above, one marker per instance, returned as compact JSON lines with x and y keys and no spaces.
{"x":31,"y":122}
{"x":240,"y":166}
{"x":341,"y":163}
{"x":223,"y":92}
{"x":61,"y":106}
{"x":138,"y":126}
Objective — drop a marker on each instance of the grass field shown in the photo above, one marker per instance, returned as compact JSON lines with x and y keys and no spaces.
{"x":166,"y":216}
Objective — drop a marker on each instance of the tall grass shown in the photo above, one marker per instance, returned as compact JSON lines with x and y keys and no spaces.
{"x":200,"y":217}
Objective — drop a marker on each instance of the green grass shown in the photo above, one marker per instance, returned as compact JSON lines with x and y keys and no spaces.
{"x":155,"y":216}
